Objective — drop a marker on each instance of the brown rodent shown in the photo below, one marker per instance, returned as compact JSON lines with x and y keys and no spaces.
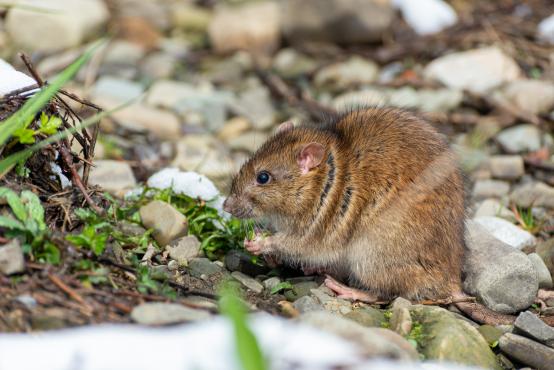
{"x":373,"y":197}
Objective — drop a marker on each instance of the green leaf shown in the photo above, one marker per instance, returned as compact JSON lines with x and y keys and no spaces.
{"x":34,"y":208}
{"x":15,"y":203}
{"x":285,"y":285}
{"x":10,"y":223}
{"x":49,"y":125}
{"x":34,"y":105}
{"x":50,"y":254}
{"x":247,"y":346}
{"x":99,"y":243}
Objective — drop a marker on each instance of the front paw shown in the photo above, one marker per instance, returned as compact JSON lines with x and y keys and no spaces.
{"x":259,"y":245}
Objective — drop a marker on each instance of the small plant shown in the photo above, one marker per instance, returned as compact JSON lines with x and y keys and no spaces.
{"x":526,"y":219}
{"x":247,"y":347}
{"x":49,"y":125}
{"x":285,"y":285}
{"x":28,"y":225}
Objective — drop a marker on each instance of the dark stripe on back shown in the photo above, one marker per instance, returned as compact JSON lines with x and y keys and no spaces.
{"x":330,"y":179}
{"x":346,"y":200}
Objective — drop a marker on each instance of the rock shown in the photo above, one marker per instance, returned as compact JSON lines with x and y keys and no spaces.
{"x":11,"y":258}
{"x":331,"y":304}
{"x":300,"y":289}
{"x":130,"y":228}
{"x":237,"y":260}
{"x":546,"y":251}
{"x":535,"y":194}
{"x":116,"y":177}
{"x":342,"y":75}
{"x":255,"y":104}
{"x":66,"y":24}
{"x":167,"y":222}
{"x":401,"y":321}
{"x":492,"y":207}
{"x":490,"y":189}
{"x":117,"y":89}
{"x":154,"y":313}
{"x":374,"y":342}
{"x":545,"y":29}
{"x":289,"y":63}
{"x":158,"y":65}
{"x":521,"y":138}
{"x":367,"y":316}
{"x":477,"y":70}
{"x":190,"y":17}
{"x":490,"y":333}
{"x":254,"y":27}
{"x":543,"y":274}
{"x":532,"y":96}
{"x":233,"y":128}
{"x":203,"y":268}
{"x":527,"y":351}
{"x":446,"y":338}
{"x":529,"y":325}
{"x":507,"y":232}
{"x":153,"y":12}
{"x":139,"y":31}
{"x":426,"y":100}
{"x":251,"y":283}
{"x":249,"y":141}
{"x":203,"y":154}
{"x":336,"y":21}
{"x":121,"y":53}
{"x":271,"y":283}
{"x":140,"y":117}
{"x":183,"y":249}
{"x":185,"y":99}
{"x":509,"y":167}
{"x":502,"y":277}
{"x":307,"y":304}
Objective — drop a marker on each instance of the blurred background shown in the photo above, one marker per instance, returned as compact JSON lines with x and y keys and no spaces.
{"x":213,"y":78}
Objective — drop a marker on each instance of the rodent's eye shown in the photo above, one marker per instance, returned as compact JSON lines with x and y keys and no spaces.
{"x":263,"y":177}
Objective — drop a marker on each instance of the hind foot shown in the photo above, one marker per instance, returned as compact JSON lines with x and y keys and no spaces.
{"x":347,"y":292}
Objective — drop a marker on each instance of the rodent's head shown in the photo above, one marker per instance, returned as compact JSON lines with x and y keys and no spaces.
{"x":279,"y":179}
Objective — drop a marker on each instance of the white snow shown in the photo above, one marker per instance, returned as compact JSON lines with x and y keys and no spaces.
{"x":11,"y":80}
{"x":206,"y":345}
{"x":546,"y":29}
{"x":426,"y":16}
{"x":192,"y":184}
{"x":64,"y":181}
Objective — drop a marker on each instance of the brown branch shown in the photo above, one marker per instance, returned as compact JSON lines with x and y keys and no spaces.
{"x":66,"y":289}
{"x":31,"y":69}
{"x":76,"y":179}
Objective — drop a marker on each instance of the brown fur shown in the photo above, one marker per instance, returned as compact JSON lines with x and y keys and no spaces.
{"x":392,"y":222}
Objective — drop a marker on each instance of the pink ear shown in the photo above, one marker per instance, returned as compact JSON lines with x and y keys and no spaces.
{"x":285,"y":126}
{"x":310,"y":156}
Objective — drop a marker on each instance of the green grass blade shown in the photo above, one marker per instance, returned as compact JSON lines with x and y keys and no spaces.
{"x":40,"y":99}
{"x":7,"y":163}
{"x":15,"y":203}
{"x":248,"y":349}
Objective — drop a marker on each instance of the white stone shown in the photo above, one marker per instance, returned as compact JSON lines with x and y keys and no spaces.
{"x":492,"y":207}
{"x":521,"y":138}
{"x":490,"y":189}
{"x":248,"y":282}
{"x":255,"y":27}
{"x":63,"y":23}
{"x":156,"y":313}
{"x":536,"y":194}
{"x":545,"y":279}
{"x":352,"y":72}
{"x":532,"y":96}
{"x":477,"y":70}
{"x":115,"y":177}
{"x":509,"y":167}
{"x":11,"y":258}
{"x":168,"y":223}
{"x":506,"y":232}
{"x":255,"y":104}
{"x":116,"y":88}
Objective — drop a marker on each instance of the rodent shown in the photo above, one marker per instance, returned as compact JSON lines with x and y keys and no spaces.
{"x":373,"y":196}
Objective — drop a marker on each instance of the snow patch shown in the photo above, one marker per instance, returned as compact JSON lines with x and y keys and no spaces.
{"x":11,"y":80}
{"x":426,"y":16}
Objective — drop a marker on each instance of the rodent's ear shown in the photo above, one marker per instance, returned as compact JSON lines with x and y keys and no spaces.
{"x":310,"y":156}
{"x":285,"y":126}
